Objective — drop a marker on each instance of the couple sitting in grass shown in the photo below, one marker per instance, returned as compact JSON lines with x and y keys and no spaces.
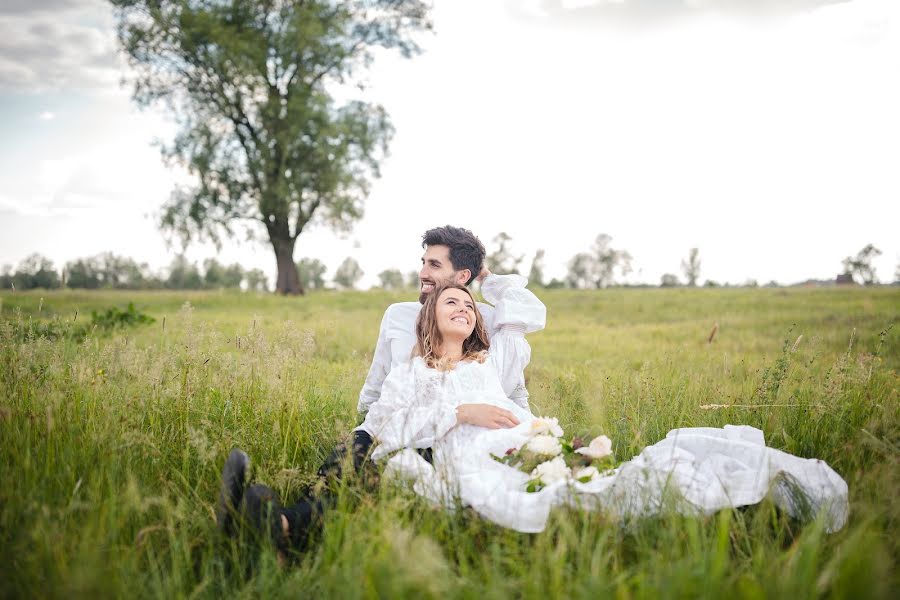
{"x":454,"y":422}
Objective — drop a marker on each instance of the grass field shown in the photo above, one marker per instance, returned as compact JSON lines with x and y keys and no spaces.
{"x":112,"y":441}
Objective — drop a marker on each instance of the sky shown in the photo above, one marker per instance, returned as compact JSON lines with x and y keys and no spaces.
{"x":764,"y":133}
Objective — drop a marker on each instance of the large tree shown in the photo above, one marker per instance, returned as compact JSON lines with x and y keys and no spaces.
{"x":252,"y":84}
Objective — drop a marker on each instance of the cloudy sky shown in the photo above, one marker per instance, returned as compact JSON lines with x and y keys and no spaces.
{"x":766,"y":133}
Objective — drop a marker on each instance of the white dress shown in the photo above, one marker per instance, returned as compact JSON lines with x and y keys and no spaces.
{"x":694,"y":470}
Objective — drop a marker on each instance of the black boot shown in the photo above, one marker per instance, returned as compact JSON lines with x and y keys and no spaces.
{"x":262,"y":511}
{"x":234,"y":475}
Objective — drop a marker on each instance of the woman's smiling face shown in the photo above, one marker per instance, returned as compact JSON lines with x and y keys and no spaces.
{"x":455,"y":313}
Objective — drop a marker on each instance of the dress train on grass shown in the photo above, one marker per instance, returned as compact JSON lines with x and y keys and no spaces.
{"x":698,"y":470}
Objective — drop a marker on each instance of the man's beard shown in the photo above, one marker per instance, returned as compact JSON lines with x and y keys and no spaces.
{"x":424,"y":295}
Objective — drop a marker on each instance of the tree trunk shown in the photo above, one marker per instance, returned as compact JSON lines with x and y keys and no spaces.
{"x":288,"y":279}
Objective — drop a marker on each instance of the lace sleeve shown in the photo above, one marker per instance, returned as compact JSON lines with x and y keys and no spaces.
{"x":411,"y":412}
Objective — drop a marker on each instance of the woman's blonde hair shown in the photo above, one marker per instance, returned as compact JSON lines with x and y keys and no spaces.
{"x":429,"y":338}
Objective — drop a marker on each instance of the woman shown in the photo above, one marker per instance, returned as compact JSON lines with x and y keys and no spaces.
{"x":449,"y":399}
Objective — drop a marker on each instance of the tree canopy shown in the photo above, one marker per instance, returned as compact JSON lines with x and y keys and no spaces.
{"x":536,"y":273}
{"x":598,"y":268}
{"x":580,"y":268}
{"x":503,"y":260}
{"x":348,"y":274}
{"x":391,"y":279}
{"x":106,"y":270}
{"x":668,"y":280}
{"x":35,"y":271}
{"x":691,"y":267}
{"x":312,"y":273}
{"x":252,"y":85}
{"x":860,"y":266}
{"x":608,"y":260}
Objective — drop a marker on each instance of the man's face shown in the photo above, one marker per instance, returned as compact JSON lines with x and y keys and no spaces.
{"x":437,"y":269}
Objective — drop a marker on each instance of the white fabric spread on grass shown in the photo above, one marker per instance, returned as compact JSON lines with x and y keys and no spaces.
{"x":694,"y":471}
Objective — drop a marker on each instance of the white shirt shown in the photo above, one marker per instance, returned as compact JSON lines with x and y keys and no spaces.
{"x":516,"y":308}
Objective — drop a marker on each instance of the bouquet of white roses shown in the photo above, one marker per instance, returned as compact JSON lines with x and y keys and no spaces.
{"x":547,"y":457}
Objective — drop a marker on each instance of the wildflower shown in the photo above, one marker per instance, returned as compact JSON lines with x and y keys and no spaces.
{"x":599,"y":447}
{"x":544,"y":445}
{"x":545,"y":425}
{"x":585,"y":474}
{"x":551,"y":470}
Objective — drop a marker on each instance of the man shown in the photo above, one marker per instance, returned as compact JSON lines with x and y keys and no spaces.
{"x":452,"y":254}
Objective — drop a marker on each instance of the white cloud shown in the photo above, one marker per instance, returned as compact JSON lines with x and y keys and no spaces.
{"x":57,"y":50}
{"x":637,"y":12}
{"x":20,"y":7}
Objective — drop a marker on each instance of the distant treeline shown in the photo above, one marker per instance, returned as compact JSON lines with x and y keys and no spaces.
{"x":599,"y":267}
{"x":108,"y":271}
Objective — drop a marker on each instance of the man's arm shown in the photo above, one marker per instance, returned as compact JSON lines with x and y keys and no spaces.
{"x":378,"y":371}
{"x":516,"y":311}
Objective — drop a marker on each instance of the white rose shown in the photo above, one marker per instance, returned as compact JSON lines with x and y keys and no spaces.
{"x":545,"y":425}
{"x":545,"y":445}
{"x":551,"y":470}
{"x":586,"y":474}
{"x":599,"y":447}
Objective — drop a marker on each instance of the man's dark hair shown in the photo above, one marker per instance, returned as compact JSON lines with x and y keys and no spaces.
{"x":466,"y":250}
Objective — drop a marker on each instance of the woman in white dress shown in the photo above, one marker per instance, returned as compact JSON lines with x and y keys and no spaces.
{"x":449,"y":399}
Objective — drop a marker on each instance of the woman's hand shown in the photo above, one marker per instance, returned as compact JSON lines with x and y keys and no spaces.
{"x":485,"y":415}
{"x":482,"y":274}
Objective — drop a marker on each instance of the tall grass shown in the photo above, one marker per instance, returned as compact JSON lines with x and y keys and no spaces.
{"x":111,"y":445}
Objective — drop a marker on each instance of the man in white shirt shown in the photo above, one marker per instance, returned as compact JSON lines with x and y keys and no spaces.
{"x":452,"y":254}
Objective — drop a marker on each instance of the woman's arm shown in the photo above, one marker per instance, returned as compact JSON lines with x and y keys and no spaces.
{"x":485,"y":415}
